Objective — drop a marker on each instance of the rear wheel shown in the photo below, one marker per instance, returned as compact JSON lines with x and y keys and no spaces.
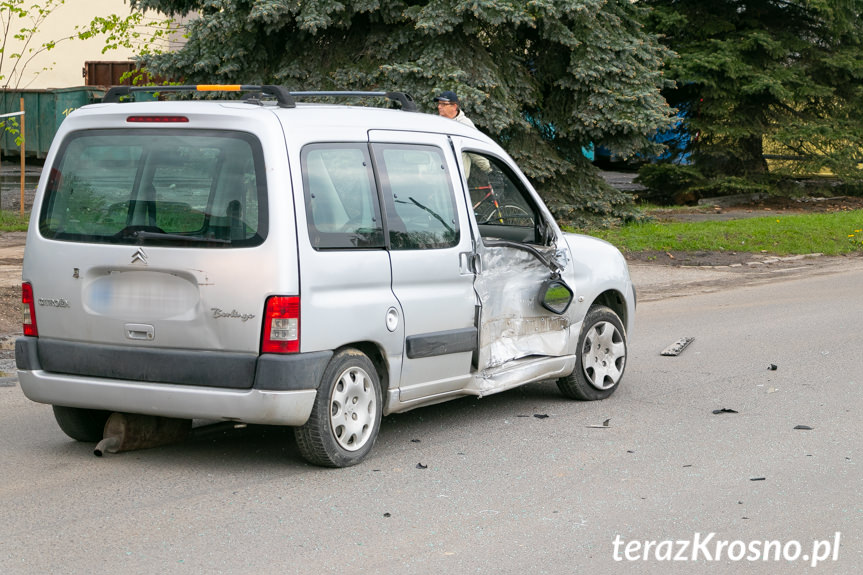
{"x":600,"y":358}
{"x":346,"y":416}
{"x":86,"y":425}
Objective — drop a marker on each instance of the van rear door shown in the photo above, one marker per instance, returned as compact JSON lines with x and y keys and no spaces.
{"x":145,"y":234}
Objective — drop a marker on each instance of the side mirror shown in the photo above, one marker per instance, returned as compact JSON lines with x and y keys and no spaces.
{"x":555,"y":296}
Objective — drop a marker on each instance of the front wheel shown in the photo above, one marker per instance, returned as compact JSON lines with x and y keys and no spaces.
{"x":600,"y":357}
{"x":346,"y":415}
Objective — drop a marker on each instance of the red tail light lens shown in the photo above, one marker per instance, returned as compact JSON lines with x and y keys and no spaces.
{"x":281,"y":325}
{"x":28,"y":307}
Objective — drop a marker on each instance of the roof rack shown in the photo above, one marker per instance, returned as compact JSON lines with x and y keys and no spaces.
{"x":403,"y":98}
{"x":283,"y":97}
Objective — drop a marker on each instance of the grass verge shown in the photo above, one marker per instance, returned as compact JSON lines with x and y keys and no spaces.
{"x":833,"y":233}
{"x":13,"y":222}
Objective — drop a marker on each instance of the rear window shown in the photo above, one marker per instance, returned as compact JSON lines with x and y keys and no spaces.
{"x":197,"y":188}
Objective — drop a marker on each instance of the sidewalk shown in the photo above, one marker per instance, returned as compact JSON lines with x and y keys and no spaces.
{"x":661,"y":281}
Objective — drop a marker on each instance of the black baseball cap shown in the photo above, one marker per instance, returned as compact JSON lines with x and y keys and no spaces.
{"x":447,"y":96}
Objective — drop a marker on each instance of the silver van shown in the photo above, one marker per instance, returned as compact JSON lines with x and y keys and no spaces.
{"x":269,"y":261}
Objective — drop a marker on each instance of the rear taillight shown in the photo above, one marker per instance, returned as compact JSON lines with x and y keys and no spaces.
{"x":281,"y":325}
{"x":28,"y":307}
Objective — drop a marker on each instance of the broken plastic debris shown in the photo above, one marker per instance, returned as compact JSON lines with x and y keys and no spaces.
{"x":677,"y":347}
{"x":773,"y":367}
{"x":421,"y":466}
{"x":723,"y":410}
{"x":540,"y":415}
{"x":415,"y":441}
{"x":806,"y":427}
{"x":387,"y":515}
{"x":757,"y":479}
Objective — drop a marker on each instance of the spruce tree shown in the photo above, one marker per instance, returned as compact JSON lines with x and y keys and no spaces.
{"x":776,"y":78}
{"x":543,"y":78}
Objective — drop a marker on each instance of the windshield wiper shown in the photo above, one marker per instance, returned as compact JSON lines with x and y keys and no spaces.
{"x":155,"y":233}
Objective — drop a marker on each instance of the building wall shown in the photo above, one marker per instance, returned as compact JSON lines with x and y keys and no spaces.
{"x":63,"y":66}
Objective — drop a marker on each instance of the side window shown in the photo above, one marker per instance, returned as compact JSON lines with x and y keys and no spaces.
{"x":502,"y":206}
{"x":342,"y":207}
{"x":418,"y":194}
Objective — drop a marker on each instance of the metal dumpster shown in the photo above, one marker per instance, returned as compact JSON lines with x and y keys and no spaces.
{"x":45,"y":111}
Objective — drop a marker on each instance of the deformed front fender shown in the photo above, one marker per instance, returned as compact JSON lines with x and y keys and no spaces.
{"x":598,"y":273}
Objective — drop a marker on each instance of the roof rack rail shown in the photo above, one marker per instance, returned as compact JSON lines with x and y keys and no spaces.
{"x":403,"y":98}
{"x":282,"y":95}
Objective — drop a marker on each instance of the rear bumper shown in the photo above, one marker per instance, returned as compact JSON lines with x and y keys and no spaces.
{"x":267,"y":389}
{"x":181,"y":401}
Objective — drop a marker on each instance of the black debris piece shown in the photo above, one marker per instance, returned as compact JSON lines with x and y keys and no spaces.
{"x":630,"y":451}
{"x":688,"y":465}
{"x":421,"y":466}
{"x":773,"y":367}
{"x":540,"y":415}
{"x":415,"y":441}
{"x":723,"y":410}
{"x":387,"y":515}
{"x":804,"y":427}
{"x":757,"y":479}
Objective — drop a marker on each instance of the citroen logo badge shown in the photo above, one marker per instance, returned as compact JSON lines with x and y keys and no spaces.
{"x":140,"y":256}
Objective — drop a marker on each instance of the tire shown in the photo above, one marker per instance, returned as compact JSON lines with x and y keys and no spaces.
{"x":600,"y":357}
{"x":346,"y":416}
{"x":87,"y":425}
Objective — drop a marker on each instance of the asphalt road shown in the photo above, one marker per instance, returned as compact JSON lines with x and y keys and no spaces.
{"x":521,"y":482}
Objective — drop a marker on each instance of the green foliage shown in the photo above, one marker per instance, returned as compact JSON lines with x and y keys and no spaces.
{"x":668,"y":183}
{"x":734,"y":185}
{"x":830,"y":234}
{"x":771,"y":76}
{"x":11,"y":221}
{"x":544,"y":78}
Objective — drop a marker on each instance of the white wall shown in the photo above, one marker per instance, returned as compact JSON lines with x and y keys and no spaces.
{"x":65,"y":63}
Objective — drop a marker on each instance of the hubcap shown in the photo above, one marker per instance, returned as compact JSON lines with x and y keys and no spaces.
{"x":352,"y":408}
{"x":603,"y":355}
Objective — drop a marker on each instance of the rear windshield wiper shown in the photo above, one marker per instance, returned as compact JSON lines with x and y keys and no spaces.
{"x":154,"y":233}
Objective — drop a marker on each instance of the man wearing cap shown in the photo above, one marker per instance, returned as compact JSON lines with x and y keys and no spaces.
{"x":448,"y":107}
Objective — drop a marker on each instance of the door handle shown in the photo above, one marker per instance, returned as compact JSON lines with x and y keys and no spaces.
{"x":469,"y":263}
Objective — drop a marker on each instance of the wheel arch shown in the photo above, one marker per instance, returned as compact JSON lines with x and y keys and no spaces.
{"x":377,"y":357}
{"x":615,"y":301}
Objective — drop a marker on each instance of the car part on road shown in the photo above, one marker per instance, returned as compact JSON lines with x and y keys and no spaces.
{"x":677,"y":347}
{"x":130,"y":431}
